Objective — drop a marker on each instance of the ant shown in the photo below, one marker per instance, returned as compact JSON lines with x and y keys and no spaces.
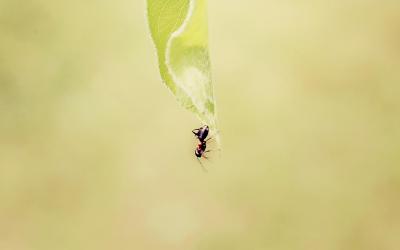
{"x":201,"y":134}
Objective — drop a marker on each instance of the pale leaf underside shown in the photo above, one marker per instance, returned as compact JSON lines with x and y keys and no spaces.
{"x":180,"y":34}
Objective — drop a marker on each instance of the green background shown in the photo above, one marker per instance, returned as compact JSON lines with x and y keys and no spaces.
{"x":96,"y":154}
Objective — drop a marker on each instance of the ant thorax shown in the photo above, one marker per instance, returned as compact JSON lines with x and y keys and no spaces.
{"x":201,"y":134}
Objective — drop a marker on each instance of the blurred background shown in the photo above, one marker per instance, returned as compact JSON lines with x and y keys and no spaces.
{"x":96,"y":154}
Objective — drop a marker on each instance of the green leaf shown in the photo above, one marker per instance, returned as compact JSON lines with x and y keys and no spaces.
{"x":180,"y":34}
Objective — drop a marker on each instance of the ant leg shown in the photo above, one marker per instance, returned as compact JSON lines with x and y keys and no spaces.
{"x":201,"y":164}
{"x":205,"y":157}
{"x":211,"y":140}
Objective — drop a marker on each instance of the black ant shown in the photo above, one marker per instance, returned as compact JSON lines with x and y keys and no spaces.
{"x":201,"y":134}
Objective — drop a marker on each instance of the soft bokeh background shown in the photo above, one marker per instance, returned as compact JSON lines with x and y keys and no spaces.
{"x":96,"y":154}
